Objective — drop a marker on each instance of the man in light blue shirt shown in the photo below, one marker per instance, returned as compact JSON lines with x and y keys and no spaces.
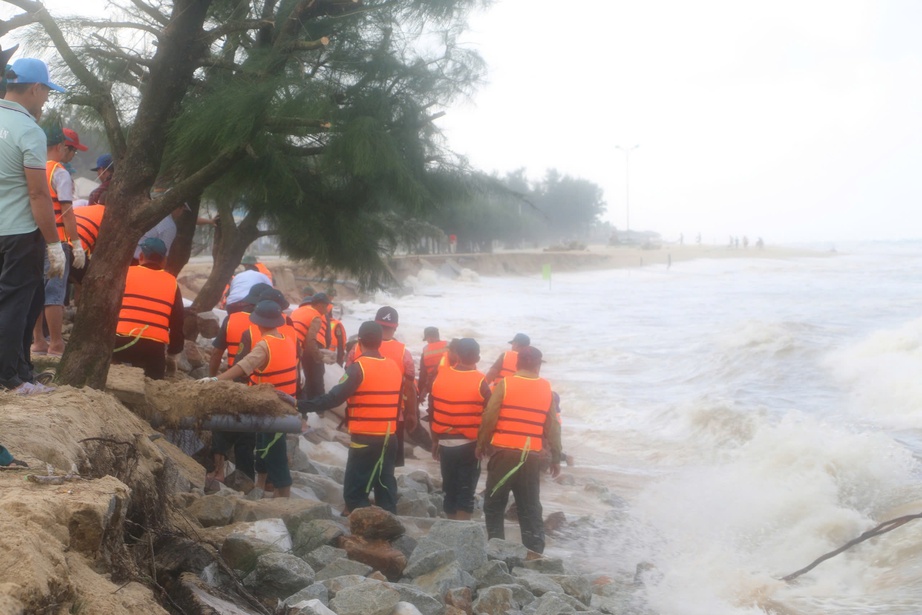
{"x":26,"y":219}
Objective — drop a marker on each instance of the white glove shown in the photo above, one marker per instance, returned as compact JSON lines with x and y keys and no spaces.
{"x":208,"y":379}
{"x":56,"y":260}
{"x":79,"y":254}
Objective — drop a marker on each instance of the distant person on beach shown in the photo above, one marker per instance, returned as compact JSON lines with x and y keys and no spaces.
{"x":520,"y":415}
{"x":27,"y":225}
{"x":371,"y":389}
{"x":149,"y":333}
{"x":432,"y":355}
{"x":505,"y":365}
{"x":272,"y":359}
{"x":456,"y":404}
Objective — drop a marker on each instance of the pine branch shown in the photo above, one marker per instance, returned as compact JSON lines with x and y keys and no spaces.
{"x":284,"y":124}
{"x":237,"y":26}
{"x":120,"y":24}
{"x":883,"y":528}
{"x":151,"y":12}
{"x":320,"y":43}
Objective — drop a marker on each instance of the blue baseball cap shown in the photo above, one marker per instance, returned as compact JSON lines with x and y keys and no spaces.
{"x":104,"y":162}
{"x":153,"y":247}
{"x":33,"y":70}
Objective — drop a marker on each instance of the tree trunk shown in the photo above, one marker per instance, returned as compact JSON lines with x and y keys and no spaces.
{"x":181,"y":250}
{"x":231,"y":243}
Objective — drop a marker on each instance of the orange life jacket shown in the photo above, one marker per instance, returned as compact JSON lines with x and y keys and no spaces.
{"x":433,"y":354}
{"x":89,"y":219}
{"x":302,"y":318}
{"x":523,"y":413}
{"x":147,"y":304}
{"x":390,"y":349}
{"x":282,"y":369}
{"x":237,"y":323}
{"x":264,"y":270}
{"x":372,"y":409}
{"x":50,"y":167}
{"x":510,"y":359}
{"x":287,"y":330}
{"x":457,"y":403}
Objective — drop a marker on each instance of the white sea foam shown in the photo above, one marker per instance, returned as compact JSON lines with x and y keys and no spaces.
{"x":753,"y":414}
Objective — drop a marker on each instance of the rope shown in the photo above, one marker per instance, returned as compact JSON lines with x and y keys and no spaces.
{"x":135,"y":340}
{"x":263,"y":452}
{"x":503,"y":480}
{"x":379,"y":466}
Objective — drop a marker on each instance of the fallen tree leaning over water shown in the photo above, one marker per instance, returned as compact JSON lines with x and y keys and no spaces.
{"x":883,"y":528}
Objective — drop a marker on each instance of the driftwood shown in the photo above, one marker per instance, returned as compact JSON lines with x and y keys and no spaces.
{"x":883,"y":528}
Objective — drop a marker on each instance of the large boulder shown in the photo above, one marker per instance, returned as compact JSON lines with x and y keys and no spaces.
{"x":494,"y":601}
{"x":552,"y":604}
{"x":213,"y":510}
{"x":428,"y":555}
{"x":343,"y":567}
{"x":467,"y":538}
{"x":537,"y":583}
{"x":366,"y":599}
{"x":426,"y":604}
{"x":375,"y":523}
{"x":575,"y":585}
{"x":379,"y":554}
{"x":512,"y":553}
{"x":313,"y":607}
{"x":321,"y":556}
{"x":439,"y":581}
{"x":316,"y":591}
{"x":314,"y":534}
{"x":494,"y":572}
{"x":278,"y":575}
{"x":243,"y":547}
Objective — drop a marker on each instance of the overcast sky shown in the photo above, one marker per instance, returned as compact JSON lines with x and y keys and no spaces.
{"x":789,"y":120}
{"x":792,"y":121}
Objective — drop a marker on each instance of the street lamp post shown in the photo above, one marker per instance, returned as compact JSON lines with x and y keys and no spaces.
{"x":627,"y":185}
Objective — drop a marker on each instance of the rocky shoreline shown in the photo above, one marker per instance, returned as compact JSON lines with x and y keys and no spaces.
{"x":115,"y":519}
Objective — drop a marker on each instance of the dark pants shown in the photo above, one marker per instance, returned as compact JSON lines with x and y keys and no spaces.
{"x":272,"y":459}
{"x":361,"y":469}
{"x":150,"y":355}
{"x":525,"y":485}
{"x":313,"y":377}
{"x":21,"y":261}
{"x":242,"y":443}
{"x":460,"y":473}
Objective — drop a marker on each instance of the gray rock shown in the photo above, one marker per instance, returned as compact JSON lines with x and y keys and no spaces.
{"x":494,"y":572}
{"x":328,"y":490}
{"x":552,"y":604}
{"x":300,"y":462}
{"x":494,"y":601}
{"x":405,"y":544}
{"x":365,"y":599}
{"x":545,"y":565}
{"x":513,"y":553}
{"x":467,"y":538}
{"x":575,"y":585}
{"x":439,"y":581}
{"x":337,"y":584}
{"x":278,"y":575}
{"x":426,"y":604}
{"x":413,"y":483}
{"x":412,"y":503}
{"x":241,"y":551}
{"x":537,"y":583}
{"x":321,"y":556}
{"x":213,"y":510}
{"x":427,"y":556}
{"x":336,"y":473}
{"x":255,"y":494}
{"x":294,"y":520}
{"x":342,"y":567}
{"x":313,"y":607}
{"x":405,"y":608}
{"x":317,"y":591}
{"x":520,"y":593}
{"x":314,"y":534}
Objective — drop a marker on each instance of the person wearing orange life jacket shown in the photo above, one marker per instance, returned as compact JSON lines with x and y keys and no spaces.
{"x":397,"y":351}
{"x":505,"y":365}
{"x":433,"y":354}
{"x":371,"y":389}
{"x":338,"y":340}
{"x":274,"y":360}
{"x":309,"y":322}
{"x":151,"y":317}
{"x":251,"y":263}
{"x":456,"y":403}
{"x":89,"y":219}
{"x":229,"y":338}
{"x":62,"y":145}
{"x":519,"y":417}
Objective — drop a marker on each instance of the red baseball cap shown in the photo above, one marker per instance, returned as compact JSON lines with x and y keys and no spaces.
{"x":71,"y":139}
